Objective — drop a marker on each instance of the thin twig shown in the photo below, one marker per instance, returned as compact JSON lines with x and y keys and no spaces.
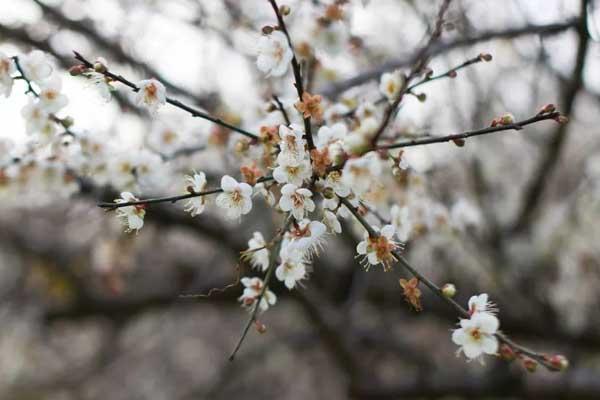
{"x":464,"y":135}
{"x":281,"y":108}
{"x":169,"y":199}
{"x":272,"y":264}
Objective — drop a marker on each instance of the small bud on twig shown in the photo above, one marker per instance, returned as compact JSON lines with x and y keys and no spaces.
{"x":77,"y":70}
{"x":507,"y":353}
{"x":449,"y":290}
{"x":530,"y":365}
{"x":67,"y":122}
{"x":285,"y":10}
{"x":485,"y":57}
{"x":559,"y":362}
{"x":267,"y":29}
{"x":547,"y":109}
{"x":459,"y":142}
{"x":260,"y":327}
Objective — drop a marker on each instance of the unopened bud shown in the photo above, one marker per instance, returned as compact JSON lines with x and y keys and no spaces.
{"x":452,"y":74}
{"x":67,"y":122}
{"x":449,"y":290}
{"x":485,"y":57}
{"x":242,"y":146}
{"x":422,"y":97}
{"x":507,"y":353}
{"x":547,"y":109}
{"x":285,"y":10}
{"x":459,"y":142}
{"x":559,"y":362}
{"x":507,"y":119}
{"x":190,"y":189}
{"x":530,"y":365}
{"x":99,"y":67}
{"x":77,"y":70}
{"x":562,"y":119}
{"x":260,"y":327}
{"x":267,"y":29}
{"x":328,"y":193}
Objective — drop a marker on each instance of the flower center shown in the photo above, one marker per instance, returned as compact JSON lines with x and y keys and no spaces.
{"x":476,"y":334}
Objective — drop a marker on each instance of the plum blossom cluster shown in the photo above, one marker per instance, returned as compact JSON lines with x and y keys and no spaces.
{"x":476,"y":335}
{"x":42,"y":169}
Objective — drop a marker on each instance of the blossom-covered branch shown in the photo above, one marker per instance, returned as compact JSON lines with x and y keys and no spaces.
{"x":299,"y":84}
{"x":474,"y":316}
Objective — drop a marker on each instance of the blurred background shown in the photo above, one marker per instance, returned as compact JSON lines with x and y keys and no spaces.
{"x":89,"y":312}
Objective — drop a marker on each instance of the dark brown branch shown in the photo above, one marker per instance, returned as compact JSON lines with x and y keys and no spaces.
{"x":176,"y":103}
{"x":281,"y":108}
{"x":464,"y":135}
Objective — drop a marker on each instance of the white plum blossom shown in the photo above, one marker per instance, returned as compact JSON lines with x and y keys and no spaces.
{"x":402,"y":222}
{"x":391,"y":83}
{"x":36,"y":117}
{"x":291,"y":270}
{"x":51,"y":99}
{"x":260,"y":189}
{"x":331,"y":222}
{"x":7,"y":68}
{"x":331,"y":37}
{"x":253,"y":289}
{"x":151,"y":95}
{"x":257,"y":251}
{"x":306,"y":238}
{"x":132,"y":217}
{"x":292,"y":145}
{"x":335,"y":182}
{"x":35,"y":66}
{"x":103,"y":84}
{"x":197,"y":184}
{"x":359,"y":173}
{"x":476,"y":335}
{"x":464,"y":214}
{"x":296,"y":200}
{"x":274,"y":54}
{"x":328,"y":135}
{"x":481,"y":304}
{"x":293,"y":172}
{"x":378,"y":249}
{"x":236,"y":198}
